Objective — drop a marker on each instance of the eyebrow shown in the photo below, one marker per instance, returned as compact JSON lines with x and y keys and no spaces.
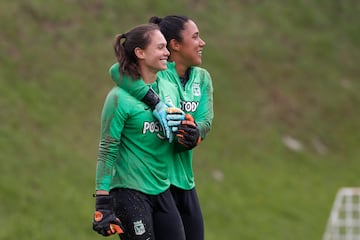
{"x":161,"y":44}
{"x":196,"y":34}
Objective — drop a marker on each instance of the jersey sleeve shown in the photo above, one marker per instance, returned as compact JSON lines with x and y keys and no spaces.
{"x":136,"y":88}
{"x":112,"y":123}
{"x":205,"y":112}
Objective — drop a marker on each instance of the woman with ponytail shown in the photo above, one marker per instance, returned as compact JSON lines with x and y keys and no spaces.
{"x":132,"y":181}
{"x":194,"y":85}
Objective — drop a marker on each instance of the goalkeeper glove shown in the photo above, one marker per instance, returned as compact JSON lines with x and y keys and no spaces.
{"x":167,"y":114}
{"x":105,"y":222}
{"x":169,"y":117}
{"x":174,"y":117}
{"x":188,"y":133}
{"x":160,"y":113}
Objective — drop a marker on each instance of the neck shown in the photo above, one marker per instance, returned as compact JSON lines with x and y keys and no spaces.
{"x":148,"y":76}
{"x":181,"y":70}
{"x":179,"y":66}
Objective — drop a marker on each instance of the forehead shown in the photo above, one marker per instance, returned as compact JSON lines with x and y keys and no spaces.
{"x":190,"y":28}
{"x":157,"y":37}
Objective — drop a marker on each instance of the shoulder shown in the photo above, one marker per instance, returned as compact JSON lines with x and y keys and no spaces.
{"x":121,"y":103}
{"x":200,"y":70}
{"x":201,"y":74}
{"x":117,"y":94}
{"x":164,"y":83}
{"x":170,"y":72}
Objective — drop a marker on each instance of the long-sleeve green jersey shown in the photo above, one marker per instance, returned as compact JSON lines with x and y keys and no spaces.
{"x":196,"y":98}
{"x":133,"y":151}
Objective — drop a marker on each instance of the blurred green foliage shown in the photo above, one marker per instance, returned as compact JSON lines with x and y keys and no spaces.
{"x":283,"y":71}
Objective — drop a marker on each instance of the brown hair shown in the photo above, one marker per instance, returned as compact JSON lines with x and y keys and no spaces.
{"x":139,"y":36}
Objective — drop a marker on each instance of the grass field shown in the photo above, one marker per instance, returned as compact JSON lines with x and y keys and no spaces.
{"x":281,"y":70}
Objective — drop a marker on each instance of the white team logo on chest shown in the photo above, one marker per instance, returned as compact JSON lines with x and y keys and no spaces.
{"x":139,"y":228}
{"x":196,"y":89}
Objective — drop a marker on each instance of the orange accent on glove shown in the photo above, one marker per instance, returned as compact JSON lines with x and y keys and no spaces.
{"x":116,"y":228}
{"x":98,"y":216}
{"x":188,"y":133}
{"x":189,"y":117}
{"x":174,"y":110}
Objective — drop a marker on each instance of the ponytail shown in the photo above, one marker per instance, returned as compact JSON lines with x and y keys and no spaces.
{"x":156,"y":20}
{"x":119,"y":48}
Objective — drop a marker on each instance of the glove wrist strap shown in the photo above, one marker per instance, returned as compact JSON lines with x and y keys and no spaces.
{"x":151,"y":99}
{"x":103,"y":202}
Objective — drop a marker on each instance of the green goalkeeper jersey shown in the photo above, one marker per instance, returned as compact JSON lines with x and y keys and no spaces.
{"x":133,"y":151}
{"x":196,"y":98}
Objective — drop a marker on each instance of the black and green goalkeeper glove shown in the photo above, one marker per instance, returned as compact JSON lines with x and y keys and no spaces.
{"x":188,"y":133}
{"x":105,"y":222}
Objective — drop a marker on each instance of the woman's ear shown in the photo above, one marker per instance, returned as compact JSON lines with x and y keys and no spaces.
{"x":139,"y":53}
{"x":174,"y":45}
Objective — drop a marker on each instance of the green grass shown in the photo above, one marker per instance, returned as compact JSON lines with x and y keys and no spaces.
{"x":278,"y":68}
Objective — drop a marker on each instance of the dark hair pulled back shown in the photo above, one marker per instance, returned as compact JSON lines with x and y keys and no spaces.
{"x":125,"y":44}
{"x":171,"y":26}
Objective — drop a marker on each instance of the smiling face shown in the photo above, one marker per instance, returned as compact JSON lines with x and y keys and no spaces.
{"x":190,"y":49}
{"x":154,"y":56}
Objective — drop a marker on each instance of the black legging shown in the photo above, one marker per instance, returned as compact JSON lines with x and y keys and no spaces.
{"x":188,"y":205}
{"x":147,"y":217}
